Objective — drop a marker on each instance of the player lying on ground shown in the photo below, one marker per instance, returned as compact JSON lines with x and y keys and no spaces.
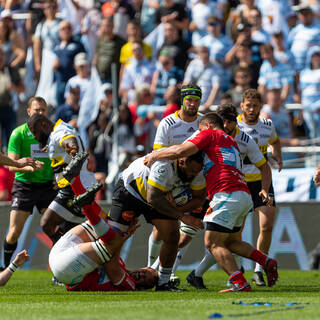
{"x":229,"y":196}
{"x":83,"y":262}
{"x":20,"y":259}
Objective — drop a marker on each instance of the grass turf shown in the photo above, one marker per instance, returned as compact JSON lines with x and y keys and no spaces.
{"x":30,"y":295}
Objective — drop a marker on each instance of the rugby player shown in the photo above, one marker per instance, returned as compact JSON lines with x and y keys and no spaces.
{"x":78,"y":261}
{"x":229,"y":196}
{"x":248,"y":148}
{"x":175,"y":129}
{"x":264,"y":134}
{"x":141,"y":190}
{"x":69,"y":161}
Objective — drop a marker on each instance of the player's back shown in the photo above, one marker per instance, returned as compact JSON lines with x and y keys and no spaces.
{"x":222,"y":162}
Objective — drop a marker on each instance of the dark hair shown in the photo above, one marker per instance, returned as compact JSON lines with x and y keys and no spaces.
{"x":251,"y":94}
{"x":35,"y":120}
{"x":227,"y":111}
{"x":242,"y":69}
{"x":197,"y":157}
{"x":135,"y":22}
{"x":40,"y":100}
{"x":266,"y":47}
{"x":214,"y":119}
{"x":226,"y":95}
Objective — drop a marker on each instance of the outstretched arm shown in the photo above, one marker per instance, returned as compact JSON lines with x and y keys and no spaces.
{"x":20,"y":163}
{"x":18,"y":261}
{"x":174,"y":152}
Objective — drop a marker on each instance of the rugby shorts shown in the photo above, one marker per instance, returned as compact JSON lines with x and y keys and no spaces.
{"x":255,"y":188}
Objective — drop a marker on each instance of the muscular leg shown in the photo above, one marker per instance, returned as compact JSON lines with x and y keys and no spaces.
{"x":168,"y":231}
{"x":216,"y":243}
{"x":17,"y":221}
{"x":183,"y":246}
{"x":266,"y":220}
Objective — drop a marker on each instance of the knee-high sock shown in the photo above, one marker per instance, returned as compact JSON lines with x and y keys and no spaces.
{"x":8,"y":249}
{"x":164,"y":275}
{"x":78,"y":189}
{"x":153,"y":250}
{"x":180,"y":254}
{"x":259,"y":257}
{"x":206,"y":263}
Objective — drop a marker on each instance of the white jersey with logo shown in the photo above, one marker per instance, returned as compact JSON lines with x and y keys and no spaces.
{"x":263,"y":133}
{"x":59,"y":157}
{"x":172,"y":130}
{"x":162,"y":175}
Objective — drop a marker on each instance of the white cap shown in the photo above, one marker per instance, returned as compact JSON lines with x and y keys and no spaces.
{"x":81,"y":59}
{"x":302,"y":6}
{"x":106,"y":86}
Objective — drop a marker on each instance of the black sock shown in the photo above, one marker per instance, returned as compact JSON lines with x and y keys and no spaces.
{"x":9,"y":249}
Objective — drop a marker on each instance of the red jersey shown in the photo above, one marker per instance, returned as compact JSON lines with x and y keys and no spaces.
{"x":222,"y":162}
{"x":6,"y":181}
{"x":98,"y":281}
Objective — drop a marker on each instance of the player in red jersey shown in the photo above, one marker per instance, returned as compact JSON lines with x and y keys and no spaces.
{"x":74,"y":263}
{"x":229,"y":196}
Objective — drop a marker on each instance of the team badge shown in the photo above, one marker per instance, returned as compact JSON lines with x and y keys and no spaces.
{"x":127,"y":215}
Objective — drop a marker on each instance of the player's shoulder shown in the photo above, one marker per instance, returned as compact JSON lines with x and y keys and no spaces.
{"x":265,"y":122}
{"x":242,"y":136}
{"x":170,"y":120}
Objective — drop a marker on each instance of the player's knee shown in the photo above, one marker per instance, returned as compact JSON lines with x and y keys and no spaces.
{"x":47,"y":227}
{"x":184,"y":240}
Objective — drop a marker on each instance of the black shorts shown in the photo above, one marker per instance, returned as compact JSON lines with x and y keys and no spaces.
{"x":211,"y":226}
{"x":125,"y":207}
{"x":255,"y":188}
{"x":63,"y":198}
{"x":26,"y":195}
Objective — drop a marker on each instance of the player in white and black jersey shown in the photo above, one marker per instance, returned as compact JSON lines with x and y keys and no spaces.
{"x":145,"y":191}
{"x":175,"y":129}
{"x":248,"y":149}
{"x":264,"y":134}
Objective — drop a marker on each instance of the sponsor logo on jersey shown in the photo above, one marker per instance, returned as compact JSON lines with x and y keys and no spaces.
{"x":127,"y":215}
{"x":36,"y":152}
{"x":191,"y":130}
{"x":254,"y":131}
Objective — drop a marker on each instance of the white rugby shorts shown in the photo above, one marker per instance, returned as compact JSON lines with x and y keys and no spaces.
{"x":229,"y":209}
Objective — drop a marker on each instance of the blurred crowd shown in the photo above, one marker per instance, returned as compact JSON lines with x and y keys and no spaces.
{"x":117,"y":65}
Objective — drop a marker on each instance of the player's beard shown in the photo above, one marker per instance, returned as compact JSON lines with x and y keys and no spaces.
{"x":251,"y":120}
{"x":190,"y":113}
{"x":43,"y":139}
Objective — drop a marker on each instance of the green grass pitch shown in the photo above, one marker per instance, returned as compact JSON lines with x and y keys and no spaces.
{"x":30,"y":295}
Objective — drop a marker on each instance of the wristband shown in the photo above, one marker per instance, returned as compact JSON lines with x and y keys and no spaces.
{"x":12,"y":267}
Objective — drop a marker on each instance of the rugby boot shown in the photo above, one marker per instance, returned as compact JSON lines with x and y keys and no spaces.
{"x":175,"y":280}
{"x":229,"y":283}
{"x":271,"y":270}
{"x":74,"y":167}
{"x":196,"y":282}
{"x":257,"y":278}
{"x":87,"y":197}
{"x":238,"y":287}
{"x":168,"y":287}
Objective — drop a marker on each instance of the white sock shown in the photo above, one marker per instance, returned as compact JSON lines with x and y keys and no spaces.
{"x":156,"y":264}
{"x":164,"y":275}
{"x":180,"y":254}
{"x":258,"y":268}
{"x":153,"y":250}
{"x":206,"y":263}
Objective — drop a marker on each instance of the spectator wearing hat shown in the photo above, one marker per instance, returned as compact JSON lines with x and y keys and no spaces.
{"x":65,"y":51}
{"x":82,"y":77}
{"x":305,"y":35}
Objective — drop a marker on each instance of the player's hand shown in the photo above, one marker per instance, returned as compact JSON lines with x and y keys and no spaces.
{"x":38,"y":165}
{"x":170,"y":198}
{"x":149,"y":159}
{"x":23,"y":162}
{"x":21,"y":258}
{"x":131,"y":230}
{"x":192,"y":221}
{"x":266,"y":197}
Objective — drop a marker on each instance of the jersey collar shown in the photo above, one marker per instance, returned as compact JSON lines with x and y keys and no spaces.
{"x":56,"y":124}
